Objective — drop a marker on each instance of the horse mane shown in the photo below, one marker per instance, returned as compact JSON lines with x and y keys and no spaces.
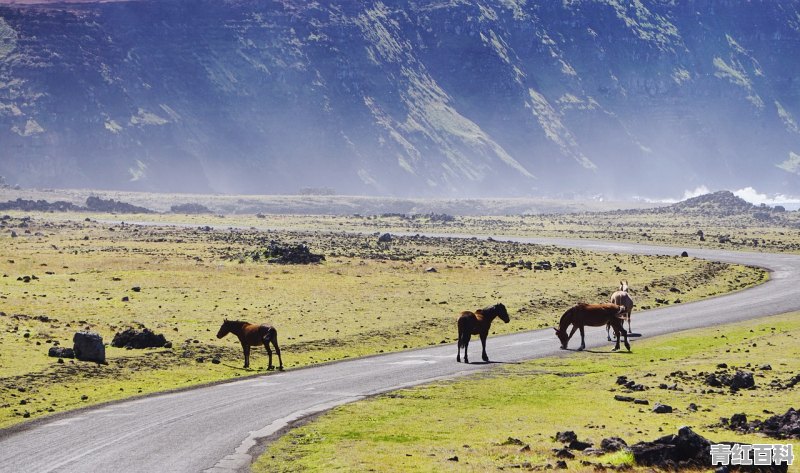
{"x":235,"y":322}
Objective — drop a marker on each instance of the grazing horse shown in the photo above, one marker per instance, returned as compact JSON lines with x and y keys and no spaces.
{"x":621,"y":297}
{"x":593,"y":315}
{"x":477,"y":323}
{"x":253,"y":335}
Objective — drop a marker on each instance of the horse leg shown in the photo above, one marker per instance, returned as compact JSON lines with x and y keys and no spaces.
{"x":625,"y":334}
{"x":458,"y":343}
{"x":629,"y":320}
{"x":571,"y":333}
{"x":465,"y":344}
{"x":583,"y":340}
{"x":483,"y":344}
{"x":608,"y":331}
{"x":277,"y":350}
{"x":269,"y":353}
{"x":246,"y":349}
{"x":617,"y":328}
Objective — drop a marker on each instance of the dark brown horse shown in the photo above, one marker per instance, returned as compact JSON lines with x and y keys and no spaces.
{"x":252,"y":335}
{"x":593,"y":315}
{"x":478,"y":323}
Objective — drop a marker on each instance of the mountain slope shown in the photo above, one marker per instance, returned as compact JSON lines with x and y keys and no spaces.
{"x":406,"y":98}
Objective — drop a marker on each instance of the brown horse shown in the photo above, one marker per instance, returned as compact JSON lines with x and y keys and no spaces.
{"x":477,"y":323}
{"x":593,"y":315}
{"x":621,"y":297}
{"x":253,"y":335}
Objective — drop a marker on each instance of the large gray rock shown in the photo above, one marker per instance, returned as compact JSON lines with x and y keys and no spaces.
{"x":88,"y":346}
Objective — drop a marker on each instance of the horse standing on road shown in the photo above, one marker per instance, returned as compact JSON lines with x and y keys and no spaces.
{"x":593,"y":315}
{"x":253,"y":335}
{"x":478,"y":323}
{"x":621,"y":297}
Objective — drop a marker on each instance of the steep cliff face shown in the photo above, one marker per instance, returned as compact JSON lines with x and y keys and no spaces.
{"x":508,"y":97}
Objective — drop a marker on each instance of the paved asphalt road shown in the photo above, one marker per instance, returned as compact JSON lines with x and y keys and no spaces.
{"x":213,"y":428}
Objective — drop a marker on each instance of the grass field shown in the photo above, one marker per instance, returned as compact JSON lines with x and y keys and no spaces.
{"x":507,"y":419}
{"x":365,"y":298}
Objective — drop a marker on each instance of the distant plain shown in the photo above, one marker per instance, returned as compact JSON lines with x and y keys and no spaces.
{"x":366,"y":297}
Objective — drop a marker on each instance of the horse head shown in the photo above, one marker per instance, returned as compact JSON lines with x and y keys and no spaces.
{"x":562,"y":337}
{"x":623,"y":286}
{"x":224,"y":329}
{"x":502,"y":312}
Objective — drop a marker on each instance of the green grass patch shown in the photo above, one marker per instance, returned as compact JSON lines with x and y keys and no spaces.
{"x":475,"y":418}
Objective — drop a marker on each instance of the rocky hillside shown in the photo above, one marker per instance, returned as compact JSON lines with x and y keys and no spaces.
{"x":722,"y":202}
{"x":409,"y":98}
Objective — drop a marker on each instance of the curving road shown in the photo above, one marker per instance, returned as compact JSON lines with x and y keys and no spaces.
{"x":214,"y":428}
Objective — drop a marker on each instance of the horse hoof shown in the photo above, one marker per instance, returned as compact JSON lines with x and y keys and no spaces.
{"x":615,"y":349}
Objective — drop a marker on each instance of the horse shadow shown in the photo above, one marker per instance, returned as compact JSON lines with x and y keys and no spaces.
{"x":495,"y":363}
{"x":625,"y":352}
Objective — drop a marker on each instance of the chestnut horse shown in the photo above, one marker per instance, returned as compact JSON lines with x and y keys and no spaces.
{"x":478,"y":323}
{"x":253,"y":335}
{"x":593,"y":315}
{"x":621,"y":297}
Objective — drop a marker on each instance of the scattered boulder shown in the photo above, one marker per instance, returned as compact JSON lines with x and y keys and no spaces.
{"x":513,"y":441}
{"x":781,"y":426}
{"x":739,"y":380}
{"x":742,"y":380}
{"x":738,"y":421}
{"x":190,"y":208}
{"x":613,"y":444}
{"x":88,"y":346}
{"x":61,"y":352}
{"x":578,"y":445}
{"x":687,"y":448}
{"x":96,"y":204}
{"x":662,"y":408}
{"x":564,"y":453}
{"x":278,"y":253}
{"x":133,"y":338}
{"x":566,"y":436}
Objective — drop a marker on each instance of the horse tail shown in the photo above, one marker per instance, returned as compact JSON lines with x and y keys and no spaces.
{"x":461,"y":329}
{"x":270,"y":334}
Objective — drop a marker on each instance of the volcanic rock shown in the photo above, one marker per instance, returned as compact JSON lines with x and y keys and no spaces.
{"x":88,"y":346}
{"x":133,"y":338}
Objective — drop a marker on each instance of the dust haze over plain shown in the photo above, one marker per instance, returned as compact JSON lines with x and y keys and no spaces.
{"x":581,"y":99}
